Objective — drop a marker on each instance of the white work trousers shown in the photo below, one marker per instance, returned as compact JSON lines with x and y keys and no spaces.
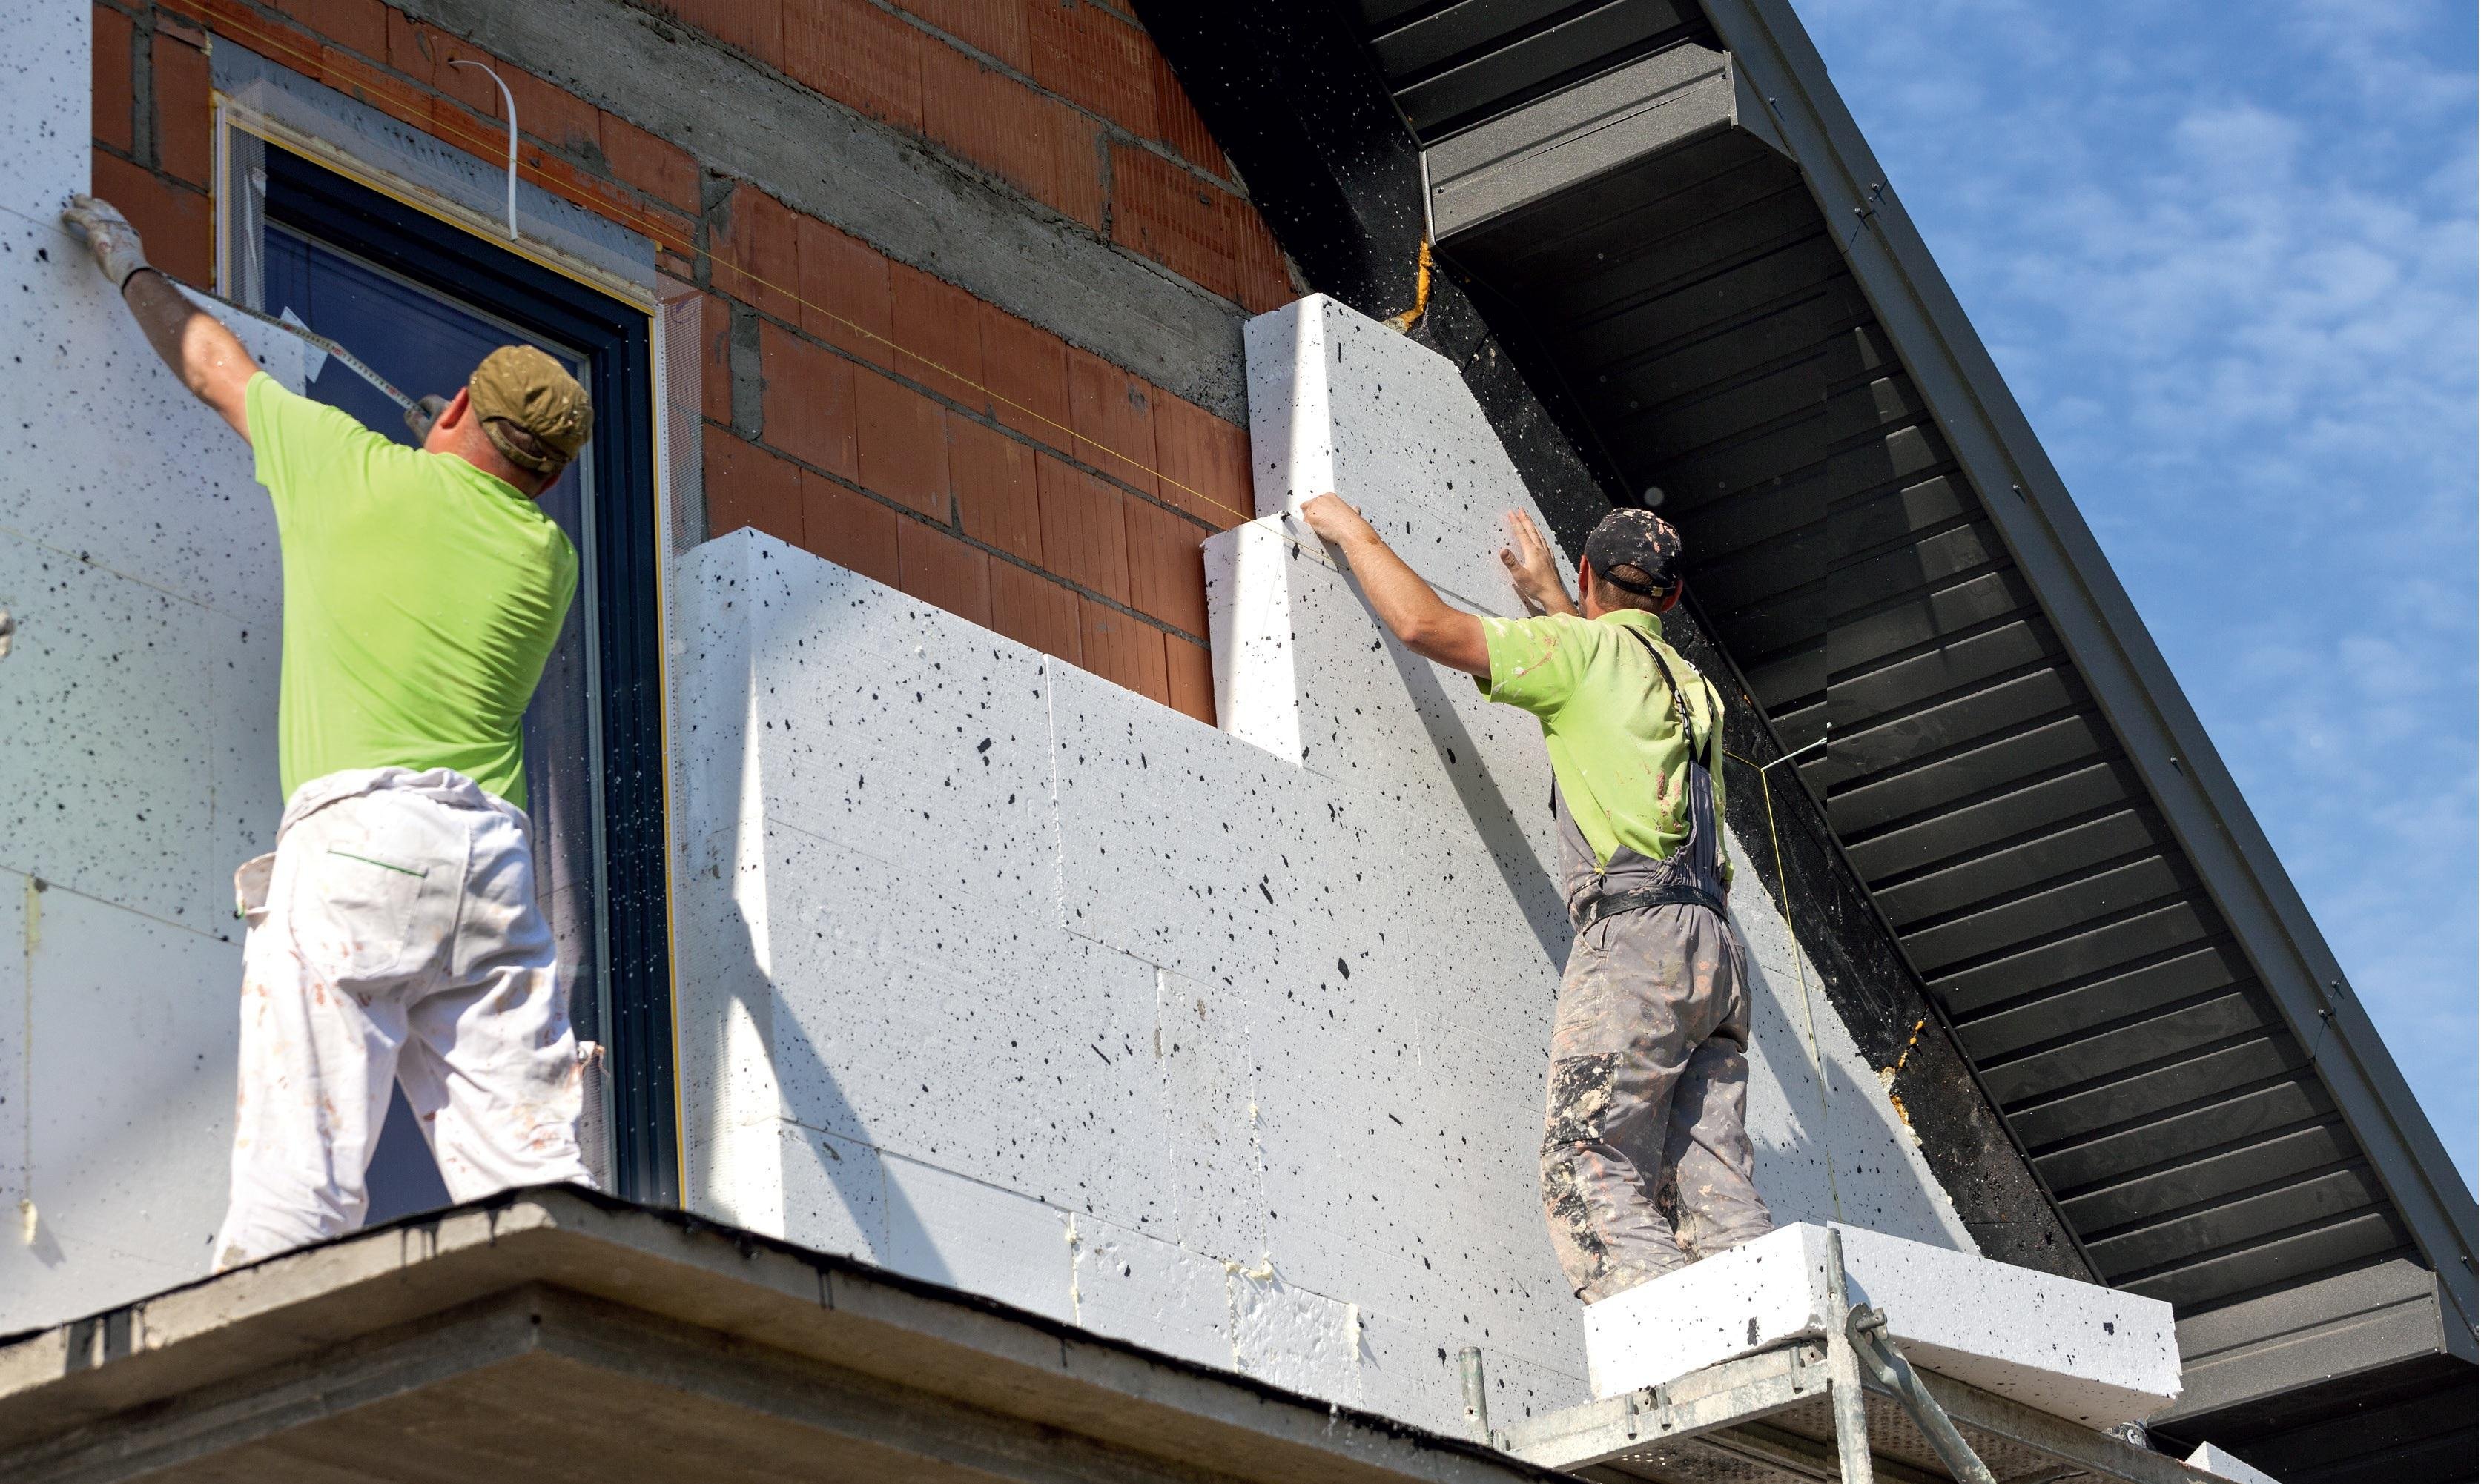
{"x":394,"y":937}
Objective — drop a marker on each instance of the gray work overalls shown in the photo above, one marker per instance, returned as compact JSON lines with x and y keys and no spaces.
{"x":1649,"y":1067}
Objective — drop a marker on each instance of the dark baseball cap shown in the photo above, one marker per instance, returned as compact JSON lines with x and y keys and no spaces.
{"x":1635,"y":550}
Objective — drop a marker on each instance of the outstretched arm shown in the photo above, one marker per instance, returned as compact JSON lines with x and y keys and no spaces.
{"x":1420,"y":621}
{"x":205,"y":354}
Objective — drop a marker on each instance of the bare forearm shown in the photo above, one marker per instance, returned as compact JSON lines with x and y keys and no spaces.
{"x":1405,"y":603}
{"x":197,"y":345}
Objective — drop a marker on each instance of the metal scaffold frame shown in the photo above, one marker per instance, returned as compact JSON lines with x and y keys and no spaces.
{"x":1844,"y":1407}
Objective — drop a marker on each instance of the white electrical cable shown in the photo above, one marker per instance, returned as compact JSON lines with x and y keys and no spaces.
{"x":508,"y":101}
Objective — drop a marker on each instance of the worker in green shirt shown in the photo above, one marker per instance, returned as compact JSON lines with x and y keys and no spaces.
{"x":1649,"y":1044}
{"x":393,"y":936}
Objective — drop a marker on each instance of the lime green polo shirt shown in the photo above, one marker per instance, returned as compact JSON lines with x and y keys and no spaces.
{"x":422,"y":598}
{"x":1609,"y":724}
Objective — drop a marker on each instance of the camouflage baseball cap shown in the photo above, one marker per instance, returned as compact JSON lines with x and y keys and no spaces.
{"x":1636,"y":549}
{"x":521,"y":387}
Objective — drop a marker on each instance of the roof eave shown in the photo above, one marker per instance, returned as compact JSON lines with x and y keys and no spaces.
{"x":2102,"y":634}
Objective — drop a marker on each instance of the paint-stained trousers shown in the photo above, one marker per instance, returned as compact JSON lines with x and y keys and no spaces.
{"x":1649,"y":1082}
{"x":394,"y":937}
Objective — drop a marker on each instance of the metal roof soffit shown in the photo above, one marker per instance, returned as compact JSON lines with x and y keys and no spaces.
{"x":1684,"y":92}
{"x":2349,"y":1324}
{"x":2102,"y":634}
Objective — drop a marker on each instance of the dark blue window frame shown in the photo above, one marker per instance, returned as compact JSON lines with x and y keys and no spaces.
{"x":618,"y":340}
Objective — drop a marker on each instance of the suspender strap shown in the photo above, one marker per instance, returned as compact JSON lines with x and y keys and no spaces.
{"x":1688,"y":732}
{"x":1680,"y":704}
{"x":1675,"y":892}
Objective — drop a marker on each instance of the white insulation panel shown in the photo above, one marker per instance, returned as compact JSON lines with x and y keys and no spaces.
{"x":1256,"y":1015}
{"x":138,"y":561}
{"x":2095,"y":1355}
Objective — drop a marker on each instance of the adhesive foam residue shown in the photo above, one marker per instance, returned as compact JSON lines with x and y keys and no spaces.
{"x":1887,"y":1080}
{"x":1076,"y":1287}
{"x":1903,"y":1114}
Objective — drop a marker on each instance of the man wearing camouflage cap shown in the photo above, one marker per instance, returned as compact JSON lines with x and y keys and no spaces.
{"x":1649,"y":1045}
{"x":393,"y":936}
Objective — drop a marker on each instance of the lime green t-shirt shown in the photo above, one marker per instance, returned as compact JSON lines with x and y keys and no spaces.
{"x":1608,"y":722}
{"x":422,"y":598}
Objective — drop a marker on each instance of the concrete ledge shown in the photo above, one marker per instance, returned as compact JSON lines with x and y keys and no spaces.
{"x":629,"y":1344}
{"x":906,"y":200}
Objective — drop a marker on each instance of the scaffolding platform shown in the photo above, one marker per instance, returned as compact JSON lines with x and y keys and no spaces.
{"x":1840,"y":1402}
{"x":1770,"y":1419}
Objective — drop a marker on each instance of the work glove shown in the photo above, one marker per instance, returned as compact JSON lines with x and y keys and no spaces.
{"x":421,"y":414}
{"x":107,"y":235}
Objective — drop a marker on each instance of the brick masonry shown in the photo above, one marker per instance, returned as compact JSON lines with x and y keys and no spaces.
{"x":856,"y":406}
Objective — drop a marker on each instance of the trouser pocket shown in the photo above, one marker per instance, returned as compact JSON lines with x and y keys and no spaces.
{"x":250,"y":888}
{"x":370,"y":884}
{"x":1581,"y":1100}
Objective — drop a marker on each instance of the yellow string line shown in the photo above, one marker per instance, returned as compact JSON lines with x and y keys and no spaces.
{"x":651,"y":227}
{"x":1800,"y":967}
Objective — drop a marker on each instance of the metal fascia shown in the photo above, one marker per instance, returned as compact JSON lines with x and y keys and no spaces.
{"x":2100,"y":628}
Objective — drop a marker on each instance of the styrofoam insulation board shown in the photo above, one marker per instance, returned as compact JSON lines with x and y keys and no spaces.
{"x":2095,"y":1355}
{"x":898,"y":1060}
{"x":138,"y":557}
{"x":1336,"y":966}
{"x":17,"y":896}
{"x":1303,"y":671}
{"x":831,"y":933}
{"x":974,"y":794}
{"x":1206,"y":1095}
{"x":2215,"y":1461}
{"x":46,"y":107}
{"x":1042,"y":1080}
{"x":126,"y":1107}
{"x":112,"y":461}
{"x":1150,"y":1291}
{"x":846,"y":1197}
{"x":1340,"y":402}
{"x":1408,"y":1219}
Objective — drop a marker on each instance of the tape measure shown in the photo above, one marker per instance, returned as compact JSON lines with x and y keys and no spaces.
{"x":306,"y":333}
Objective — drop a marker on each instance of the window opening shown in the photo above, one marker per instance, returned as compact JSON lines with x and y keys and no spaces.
{"x":423,"y":300}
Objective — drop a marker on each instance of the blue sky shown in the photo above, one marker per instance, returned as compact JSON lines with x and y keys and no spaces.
{"x":2224,"y":256}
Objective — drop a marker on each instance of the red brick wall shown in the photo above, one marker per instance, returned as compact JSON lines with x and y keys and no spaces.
{"x":907,"y":429}
{"x":153,"y":150}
